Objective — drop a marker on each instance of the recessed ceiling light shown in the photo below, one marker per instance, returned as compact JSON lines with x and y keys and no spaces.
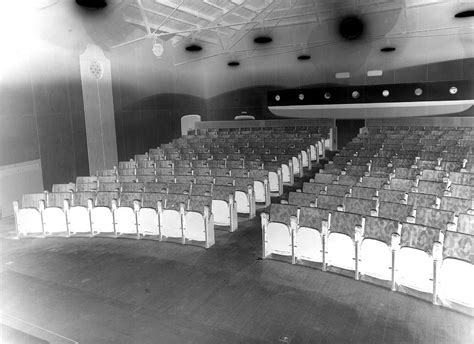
{"x":464,"y":14}
{"x":355,"y":94}
{"x":453,"y":90}
{"x":193,"y":48}
{"x":233,"y":63}
{"x":327,"y":95}
{"x":262,"y":39}
{"x":388,"y":49}
{"x":385,"y":93}
{"x":94,"y":4}
{"x":304,"y":57}
{"x":418,"y":91}
{"x":351,"y":27}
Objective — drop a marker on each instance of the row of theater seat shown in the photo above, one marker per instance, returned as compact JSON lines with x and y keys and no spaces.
{"x":407,"y":224}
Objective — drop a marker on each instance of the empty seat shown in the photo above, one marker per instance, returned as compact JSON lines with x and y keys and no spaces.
{"x":165,"y":179}
{"x":156,"y":187}
{"x":201,"y":189}
{"x":261,"y":185}
{"x":456,"y":205}
{"x":348,"y":180}
{"x":28,"y":218}
{"x":102,"y":214}
{"x":198,"y":221}
{"x":224,"y":180}
{"x":127,"y":171}
{"x":277,"y":230}
{"x":342,"y":238}
{"x":245,"y":196}
{"x":361,"y":206}
{"x":69,"y":187}
{"x":147,"y":217}
{"x":461,"y":178}
{"x":330,"y":202}
{"x":113,"y":186}
{"x":466,"y":223}
{"x":414,"y":260}
{"x":357,"y":170}
{"x":54,"y":213}
{"x":302,"y":199}
{"x":396,"y":211}
{"x":132,"y":187}
{"x":179,"y":188}
{"x":338,"y":190}
{"x":183,"y":171}
{"x":79,"y":221}
{"x":204,"y":179}
{"x":436,"y":218}
{"x":224,"y":207}
{"x":86,"y":184}
{"x":422,"y":200}
{"x":220,"y":172}
{"x":456,"y":274}
{"x":406,"y":185}
{"x":363,"y":192}
{"x":239,"y":173}
{"x":432,"y":187}
{"x":406,"y":173}
{"x":313,"y":188}
{"x":373,"y":182}
{"x":109,"y":172}
{"x":127,"y":178}
{"x":171,"y":216}
{"x":107,"y":179}
{"x":433,"y":175}
{"x":462,"y":191}
{"x":313,"y":224}
{"x":146,"y":171}
{"x":126,"y":213}
{"x":201,"y":171}
{"x":375,"y":258}
{"x":145,"y":178}
{"x":393,"y":196}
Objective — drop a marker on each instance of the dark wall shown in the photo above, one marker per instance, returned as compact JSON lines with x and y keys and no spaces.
{"x":42,"y":117}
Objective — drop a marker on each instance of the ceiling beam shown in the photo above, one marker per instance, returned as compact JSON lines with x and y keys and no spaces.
{"x":145,"y":19}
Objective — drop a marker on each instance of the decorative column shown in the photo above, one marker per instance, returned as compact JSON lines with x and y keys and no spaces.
{"x":98,"y":109}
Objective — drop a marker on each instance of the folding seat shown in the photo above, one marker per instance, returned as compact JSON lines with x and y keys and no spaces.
{"x":432,"y":187}
{"x":170,"y":214}
{"x":224,"y":207}
{"x":183,"y":171}
{"x":348,"y":153}
{"x":109,"y":172}
{"x":462,"y":191}
{"x":29,"y":218}
{"x":165,"y":179}
{"x":199,"y":163}
{"x":204,"y":156}
{"x":277,"y":231}
{"x":357,"y":170}
{"x":466,"y":223}
{"x":328,"y":169}
{"x":423,"y":200}
{"x":132,"y":187}
{"x":456,"y":274}
{"x":145,"y":171}
{"x":429,"y":156}
{"x":102,"y":214}
{"x":239,"y":173}
{"x":403,"y":162}
{"x":373,"y":182}
{"x":364,"y":193}
{"x":69,"y":187}
{"x":344,"y":236}
{"x":201,"y":171}
{"x":313,"y":188}
{"x":163,"y":164}
{"x":147,"y":215}
{"x":376,"y":254}
{"x":145,"y":164}
{"x":86,"y":183}
{"x":436,"y":218}
{"x":406,"y":185}
{"x":203,"y":179}
{"x":457,"y":205}
{"x":361,"y":206}
{"x":107,"y":179}
{"x":224,"y":180}
{"x":406,"y":173}
{"x":164,"y":171}
{"x":220,"y":172}
{"x":245,"y":196}
{"x":337,"y":190}
{"x":79,"y":220}
{"x":309,"y":236}
{"x":158,"y":187}
{"x":361,"y":161}
{"x":348,"y":180}
{"x":145,"y":179}
{"x":184,"y":179}
{"x":198,"y":221}
{"x":233,"y":164}
{"x":427,"y":164}
{"x":394,"y":196}
{"x":287,"y":168}
{"x":330,"y":202}
{"x":414,"y":263}
{"x":261,"y":185}
{"x":127,"y":178}
{"x":326,"y":178}
{"x":383,"y":153}
{"x":397,"y":212}
{"x":201,"y":189}
{"x":301,"y":199}
{"x":54,"y":214}
{"x":340,"y":161}
{"x":115,"y":186}
{"x":179,"y":188}
{"x":126,"y":214}
{"x":124,"y":165}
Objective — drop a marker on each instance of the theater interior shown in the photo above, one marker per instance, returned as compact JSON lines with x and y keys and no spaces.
{"x":237,"y":171}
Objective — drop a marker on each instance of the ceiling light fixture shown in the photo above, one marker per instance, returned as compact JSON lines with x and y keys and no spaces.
{"x":464,"y":14}
{"x":193,"y":48}
{"x":233,"y":63}
{"x":388,"y":49}
{"x":93,"y":4}
{"x":262,"y":39}
{"x":158,"y":49}
{"x":304,"y":57}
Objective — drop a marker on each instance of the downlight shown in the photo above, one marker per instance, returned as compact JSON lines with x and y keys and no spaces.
{"x":351,"y":27}
{"x":233,"y":63}
{"x":262,"y":39}
{"x":464,"y":14}
{"x":193,"y":48}
{"x":388,"y":49}
{"x":93,"y":4}
{"x":304,"y":57}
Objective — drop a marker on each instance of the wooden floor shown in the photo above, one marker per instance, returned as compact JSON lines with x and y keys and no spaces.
{"x":126,"y":291}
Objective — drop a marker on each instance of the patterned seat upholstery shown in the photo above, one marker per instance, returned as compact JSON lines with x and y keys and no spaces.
{"x":414,"y":263}
{"x":466,"y":223}
{"x":463,"y":178}
{"x":224,"y":207}
{"x":422,"y":200}
{"x":431,"y":187}
{"x":399,"y":184}
{"x":64,"y":187}
{"x":107,"y":179}
{"x":164,"y":171}
{"x":325,"y":178}
{"x":395,"y":211}
{"x":348,"y":180}
{"x":245,"y":196}
{"x":201,"y":189}
{"x":406,"y":173}
{"x":278,"y":230}
{"x":373,"y":182}
{"x":329,"y":202}
{"x":357,"y":170}
{"x":435,"y":218}
{"x":433,"y":175}
{"x":456,"y":275}
{"x":375,"y":250}
{"x":199,"y":221}
{"x":456,"y":205}
{"x":360,"y":206}
{"x":313,"y":188}
{"x":109,"y":187}
{"x":126,"y":172}
{"x":145,"y":171}
{"x":156,"y":187}
{"x":127,"y":178}
{"x":338,"y":190}
{"x":179,"y":188}
{"x":462,"y":191}
{"x":363,"y":192}
{"x":220,"y":172}
{"x":301,"y":199}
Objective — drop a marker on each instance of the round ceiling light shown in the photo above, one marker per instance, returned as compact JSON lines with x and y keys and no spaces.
{"x":418,"y":91}
{"x":262,"y":39}
{"x":385,"y":93}
{"x":453,"y":90}
{"x":464,"y":14}
{"x":233,"y":63}
{"x":304,"y":57}
{"x":277,"y":98}
{"x":327,"y":95}
{"x":301,"y":96}
{"x":93,"y":4}
{"x":355,"y":94}
{"x":193,"y":47}
{"x":158,"y":49}
{"x":388,"y":49}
